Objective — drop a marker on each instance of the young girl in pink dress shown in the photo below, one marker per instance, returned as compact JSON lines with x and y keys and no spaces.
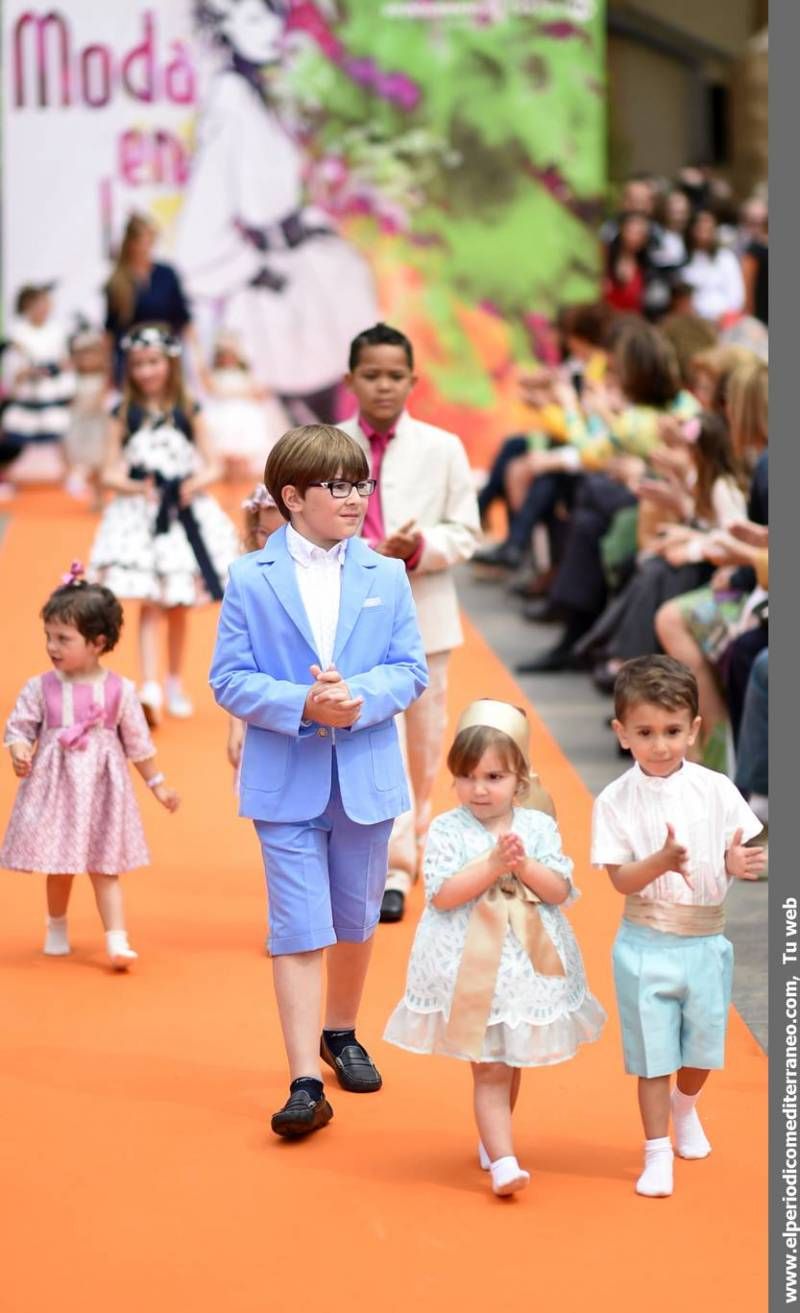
{"x":69,"y":735}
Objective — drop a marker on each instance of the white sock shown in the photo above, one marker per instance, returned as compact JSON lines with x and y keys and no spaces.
{"x":690,"y":1138}
{"x":56,"y":940}
{"x":173,"y":686}
{"x":119,"y":950}
{"x":483,"y":1157}
{"x":508,"y":1176}
{"x":656,"y":1179}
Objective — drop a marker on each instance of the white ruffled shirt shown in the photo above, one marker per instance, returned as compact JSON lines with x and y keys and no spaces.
{"x":319,"y":579}
{"x":704,"y":808}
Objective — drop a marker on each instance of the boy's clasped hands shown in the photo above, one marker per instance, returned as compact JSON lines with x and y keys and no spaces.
{"x":329,"y":702}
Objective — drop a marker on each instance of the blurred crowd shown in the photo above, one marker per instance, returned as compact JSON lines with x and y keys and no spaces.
{"x":637,"y":501}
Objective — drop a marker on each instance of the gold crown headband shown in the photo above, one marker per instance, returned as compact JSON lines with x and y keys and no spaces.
{"x":498,"y":715}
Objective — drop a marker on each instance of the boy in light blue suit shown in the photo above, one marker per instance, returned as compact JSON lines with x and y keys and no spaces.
{"x":317,"y":652}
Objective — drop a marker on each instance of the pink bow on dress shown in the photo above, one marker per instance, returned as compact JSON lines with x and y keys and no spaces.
{"x":77,"y":735}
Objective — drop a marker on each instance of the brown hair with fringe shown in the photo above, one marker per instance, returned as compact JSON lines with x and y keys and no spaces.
{"x":470,"y":745}
{"x":92,"y":608}
{"x":311,"y":454}
{"x":660,"y":680}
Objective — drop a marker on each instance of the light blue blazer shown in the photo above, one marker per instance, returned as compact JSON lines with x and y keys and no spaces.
{"x":260,"y":673}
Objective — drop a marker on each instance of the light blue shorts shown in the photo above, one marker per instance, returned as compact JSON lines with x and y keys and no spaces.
{"x":673,"y":995}
{"x":325,"y":877}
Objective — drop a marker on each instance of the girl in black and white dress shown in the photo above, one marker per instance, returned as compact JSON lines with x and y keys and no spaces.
{"x":162,"y":540}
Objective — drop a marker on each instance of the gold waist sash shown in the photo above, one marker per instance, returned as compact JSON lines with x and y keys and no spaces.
{"x":674,"y":918}
{"x":507,"y":903}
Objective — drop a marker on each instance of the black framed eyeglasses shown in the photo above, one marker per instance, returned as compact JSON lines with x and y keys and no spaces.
{"x":342,"y":488}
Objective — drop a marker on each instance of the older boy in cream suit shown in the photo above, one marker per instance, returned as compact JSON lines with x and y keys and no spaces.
{"x":425,"y":513}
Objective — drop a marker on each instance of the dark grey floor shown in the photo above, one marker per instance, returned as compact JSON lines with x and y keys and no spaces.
{"x":576,"y":716}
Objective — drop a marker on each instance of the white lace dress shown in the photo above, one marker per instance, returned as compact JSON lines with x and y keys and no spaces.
{"x":535,"y":1020}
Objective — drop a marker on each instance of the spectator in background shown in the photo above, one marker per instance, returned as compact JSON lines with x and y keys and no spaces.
{"x":674,"y":216}
{"x":754,"y":239}
{"x":628,"y":264}
{"x":40,"y":385}
{"x":688,"y":333}
{"x":713,"y":272}
{"x":142,"y":290}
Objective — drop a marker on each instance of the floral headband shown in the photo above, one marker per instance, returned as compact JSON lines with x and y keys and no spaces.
{"x":73,"y":575}
{"x":151,"y":336}
{"x":260,"y":498}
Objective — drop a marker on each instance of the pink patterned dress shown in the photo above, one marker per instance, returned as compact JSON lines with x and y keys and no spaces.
{"x":76,"y":811}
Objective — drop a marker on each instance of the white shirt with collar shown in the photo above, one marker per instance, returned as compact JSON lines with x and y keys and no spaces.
{"x":319,"y":579}
{"x":704,"y":808}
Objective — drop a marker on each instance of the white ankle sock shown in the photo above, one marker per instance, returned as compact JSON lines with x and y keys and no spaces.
{"x":690,"y":1138}
{"x":56,"y":940}
{"x":173,"y":686}
{"x":656,"y":1179}
{"x":119,"y":950}
{"x":483,"y":1157}
{"x":508,"y":1176}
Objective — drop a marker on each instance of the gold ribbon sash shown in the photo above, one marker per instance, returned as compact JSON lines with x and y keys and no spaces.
{"x":674,"y":918}
{"x":507,"y":903}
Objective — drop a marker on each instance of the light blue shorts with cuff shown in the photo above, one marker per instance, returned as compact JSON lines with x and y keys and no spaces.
{"x":325,"y":878}
{"x":673,"y":995}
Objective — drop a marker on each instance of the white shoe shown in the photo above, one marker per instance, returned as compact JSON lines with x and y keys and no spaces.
{"x":507,"y":1176}
{"x":151,"y":698}
{"x":55,"y":947}
{"x":56,"y":938}
{"x":120,"y":953}
{"x":178,"y":705}
{"x":123,"y":958}
{"x":76,"y":486}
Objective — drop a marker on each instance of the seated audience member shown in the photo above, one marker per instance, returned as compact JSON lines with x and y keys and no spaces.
{"x":713,"y":271}
{"x":630,"y":430}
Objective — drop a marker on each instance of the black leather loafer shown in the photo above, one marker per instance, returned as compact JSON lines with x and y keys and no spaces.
{"x":354,"y":1068}
{"x":393,"y":905}
{"x":300,"y":1115}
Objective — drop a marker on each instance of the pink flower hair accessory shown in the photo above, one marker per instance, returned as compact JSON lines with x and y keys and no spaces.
{"x":259,"y":498}
{"x":74,"y":574}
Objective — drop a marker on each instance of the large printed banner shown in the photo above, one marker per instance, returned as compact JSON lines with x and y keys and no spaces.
{"x":313,"y":166}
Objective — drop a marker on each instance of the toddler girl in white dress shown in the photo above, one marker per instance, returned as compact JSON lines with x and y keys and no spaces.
{"x":495,"y":975}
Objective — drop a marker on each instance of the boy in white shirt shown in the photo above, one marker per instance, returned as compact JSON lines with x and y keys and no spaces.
{"x":425,"y":512}
{"x":671,"y":835}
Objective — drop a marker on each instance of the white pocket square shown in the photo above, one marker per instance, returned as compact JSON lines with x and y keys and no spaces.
{"x":372,"y":601}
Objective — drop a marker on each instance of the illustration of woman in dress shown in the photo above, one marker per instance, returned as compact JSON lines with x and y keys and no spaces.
{"x":256,"y":260}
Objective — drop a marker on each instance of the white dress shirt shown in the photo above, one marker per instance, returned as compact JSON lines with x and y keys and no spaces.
{"x":319,"y":579}
{"x":704,"y":808}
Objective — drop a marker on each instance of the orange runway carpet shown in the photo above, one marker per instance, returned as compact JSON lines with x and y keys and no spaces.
{"x":137,"y":1168}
